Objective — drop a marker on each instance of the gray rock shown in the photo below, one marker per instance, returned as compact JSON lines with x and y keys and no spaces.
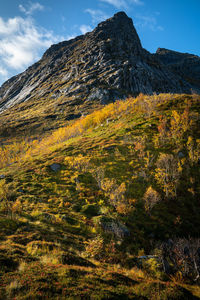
{"x":111,"y":226}
{"x":148,"y":257}
{"x":55,"y":167}
{"x":2,"y":176}
{"x":181,"y":154}
{"x":99,"y":94}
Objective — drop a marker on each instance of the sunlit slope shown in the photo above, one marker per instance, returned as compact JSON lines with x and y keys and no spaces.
{"x":89,"y":198}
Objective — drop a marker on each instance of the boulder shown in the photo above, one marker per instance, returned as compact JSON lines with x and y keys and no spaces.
{"x":112,"y":226}
{"x":55,"y":167}
{"x":181,"y":154}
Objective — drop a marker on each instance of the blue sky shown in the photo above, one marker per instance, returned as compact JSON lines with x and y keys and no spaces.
{"x":28,"y":28}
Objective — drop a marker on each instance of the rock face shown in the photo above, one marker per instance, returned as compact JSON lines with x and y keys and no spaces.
{"x":185,"y":65}
{"x":103,"y":65}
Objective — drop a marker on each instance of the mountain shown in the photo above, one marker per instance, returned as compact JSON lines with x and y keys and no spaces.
{"x":77,"y":76}
{"x":101,"y":201}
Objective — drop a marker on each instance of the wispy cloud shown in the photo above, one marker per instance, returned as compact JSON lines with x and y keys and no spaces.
{"x":137,"y":2}
{"x":85,"y":28}
{"x":123,"y":3}
{"x":70,"y":37}
{"x":22,"y":43}
{"x":97,"y":15}
{"x":31,"y":7}
{"x":149,"y":22}
{"x":3,"y":73}
{"x":116,"y":3}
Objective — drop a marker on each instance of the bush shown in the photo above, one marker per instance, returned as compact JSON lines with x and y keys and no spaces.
{"x":38,"y":248}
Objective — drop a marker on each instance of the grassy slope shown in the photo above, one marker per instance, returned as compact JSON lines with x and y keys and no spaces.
{"x":51,"y":242}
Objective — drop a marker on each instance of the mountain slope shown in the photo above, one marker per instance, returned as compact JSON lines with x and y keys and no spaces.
{"x":79,"y":209}
{"x":77,"y":76}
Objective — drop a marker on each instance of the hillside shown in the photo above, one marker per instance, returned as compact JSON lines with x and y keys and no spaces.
{"x":82,"y":206}
{"x":76,"y":77}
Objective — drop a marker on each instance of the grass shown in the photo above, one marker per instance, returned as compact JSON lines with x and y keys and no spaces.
{"x":112,"y":164}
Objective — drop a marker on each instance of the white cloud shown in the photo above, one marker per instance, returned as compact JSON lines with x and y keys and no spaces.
{"x":70,"y":37}
{"x":123,"y":3}
{"x":85,"y":28}
{"x":9,"y":27}
{"x":31,"y":8}
{"x":3,"y":72}
{"x":137,"y":2}
{"x":149,"y":22}
{"x":22,"y":43}
{"x":97,"y":15}
{"x":116,"y":3}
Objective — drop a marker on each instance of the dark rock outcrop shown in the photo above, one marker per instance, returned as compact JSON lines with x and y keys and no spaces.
{"x":185,"y":65}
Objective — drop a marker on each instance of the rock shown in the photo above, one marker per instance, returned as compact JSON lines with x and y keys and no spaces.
{"x":181,"y":154}
{"x":109,"y":148}
{"x":2,"y":176}
{"x":148,"y":257}
{"x":99,"y":94}
{"x":111,"y":226}
{"x":55,"y":167}
{"x":185,"y":65}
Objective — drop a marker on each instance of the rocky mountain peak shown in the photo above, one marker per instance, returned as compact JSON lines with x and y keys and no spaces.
{"x":109,"y":63}
{"x":119,"y":21}
{"x":120,"y":30}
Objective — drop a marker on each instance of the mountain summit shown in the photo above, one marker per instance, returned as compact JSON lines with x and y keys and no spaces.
{"x":106,"y":64}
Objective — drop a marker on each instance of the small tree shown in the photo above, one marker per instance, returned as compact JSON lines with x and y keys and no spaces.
{"x":193,"y":148}
{"x":180,"y":123}
{"x":163,"y":129}
{"x":167,"y":174}
{"x":151,"y":197}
